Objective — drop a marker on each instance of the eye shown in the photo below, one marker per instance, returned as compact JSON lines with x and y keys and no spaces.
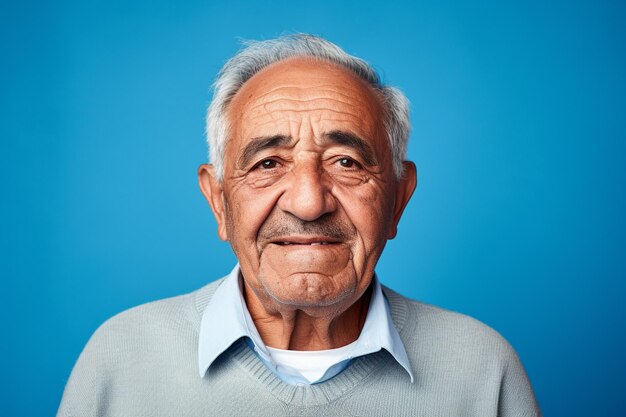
{"x":267,"y":164}
{"x":348,"y":163}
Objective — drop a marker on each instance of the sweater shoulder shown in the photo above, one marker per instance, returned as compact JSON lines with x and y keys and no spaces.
{"x":440,"y":328}
{"x":153,"y":322}
{"x":156,"y":338}
{"x":463,"y":356}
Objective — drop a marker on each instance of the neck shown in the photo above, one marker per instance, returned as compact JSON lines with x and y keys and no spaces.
{"x":310,"y":328}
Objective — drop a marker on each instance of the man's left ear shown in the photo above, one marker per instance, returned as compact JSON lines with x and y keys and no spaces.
{"x":404,"y":190}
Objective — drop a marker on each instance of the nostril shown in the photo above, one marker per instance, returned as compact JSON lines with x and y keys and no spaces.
{"x":307,"y":195}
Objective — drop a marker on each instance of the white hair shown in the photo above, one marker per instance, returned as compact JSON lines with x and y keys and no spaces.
{"x":257,"y":55}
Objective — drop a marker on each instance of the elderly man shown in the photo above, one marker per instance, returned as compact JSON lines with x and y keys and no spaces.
{"x":307,"y":183}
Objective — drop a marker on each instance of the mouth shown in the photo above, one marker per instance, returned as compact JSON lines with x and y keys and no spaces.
{"x":302,"y":244}
{"x":304,"y":241}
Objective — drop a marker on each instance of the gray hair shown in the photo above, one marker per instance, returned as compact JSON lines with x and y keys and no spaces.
{"x":257,"y":55}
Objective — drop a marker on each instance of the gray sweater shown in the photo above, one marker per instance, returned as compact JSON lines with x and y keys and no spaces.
{"x":143,"y":362}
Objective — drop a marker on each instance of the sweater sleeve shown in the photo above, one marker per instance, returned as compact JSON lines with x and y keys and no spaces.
{"x":85,"y":391}
{"x":516,"y":394}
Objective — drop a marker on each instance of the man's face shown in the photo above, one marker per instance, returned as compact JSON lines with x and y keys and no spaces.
{"x":309,"y":197}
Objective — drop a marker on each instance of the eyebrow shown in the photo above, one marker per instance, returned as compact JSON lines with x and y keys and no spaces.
{"x":350,"y":140}
{"x":338,"y":137}
{"x":259,"y":144}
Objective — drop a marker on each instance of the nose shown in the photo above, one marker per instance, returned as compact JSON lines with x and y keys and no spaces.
{"x":308,"y":194}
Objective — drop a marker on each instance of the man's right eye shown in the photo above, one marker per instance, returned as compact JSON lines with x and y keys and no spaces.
{"x":267,"y":164}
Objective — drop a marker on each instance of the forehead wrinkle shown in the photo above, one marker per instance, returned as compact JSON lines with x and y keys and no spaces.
{"x":283,"y":104}
{"x":299,"y":90}
{"x":274,"y":123}
{"x":273,"y":112}
{"x":298,"y":95}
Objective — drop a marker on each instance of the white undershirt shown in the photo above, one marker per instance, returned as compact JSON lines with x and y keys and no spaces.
{"x":309,"y":364}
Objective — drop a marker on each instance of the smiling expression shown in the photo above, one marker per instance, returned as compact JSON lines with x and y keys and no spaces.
{"x":309,"y":196}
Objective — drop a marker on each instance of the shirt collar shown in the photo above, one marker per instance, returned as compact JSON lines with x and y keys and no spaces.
{"x":226,"y":319}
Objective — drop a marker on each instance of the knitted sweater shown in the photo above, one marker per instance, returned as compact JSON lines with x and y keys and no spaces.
{"x":143,"y":362}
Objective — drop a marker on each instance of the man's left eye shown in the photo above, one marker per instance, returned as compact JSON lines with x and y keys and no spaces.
{"x":348,"y":163}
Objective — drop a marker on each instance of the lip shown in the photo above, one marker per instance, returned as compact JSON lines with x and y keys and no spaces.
{"x":304,"y":241}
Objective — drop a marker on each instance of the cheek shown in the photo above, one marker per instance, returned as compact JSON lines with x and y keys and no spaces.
{"x":370,"y":210}
{"x":246,"y":211}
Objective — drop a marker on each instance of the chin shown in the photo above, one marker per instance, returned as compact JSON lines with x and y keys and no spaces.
{"x":307,"y":290}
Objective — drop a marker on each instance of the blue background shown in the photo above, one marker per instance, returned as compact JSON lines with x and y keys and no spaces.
{"x":519,"y":136}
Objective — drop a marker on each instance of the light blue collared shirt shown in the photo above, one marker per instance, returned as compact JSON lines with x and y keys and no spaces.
{"x":226,"y":319}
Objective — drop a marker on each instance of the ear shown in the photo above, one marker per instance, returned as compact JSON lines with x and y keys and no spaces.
{"x":214,"y":194}
{"x":404,"y":190}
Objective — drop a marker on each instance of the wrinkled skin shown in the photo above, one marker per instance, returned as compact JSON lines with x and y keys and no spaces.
{"x":308,"y":200}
